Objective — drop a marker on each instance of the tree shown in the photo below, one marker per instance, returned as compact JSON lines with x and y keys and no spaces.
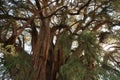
{"x":66,"y":37}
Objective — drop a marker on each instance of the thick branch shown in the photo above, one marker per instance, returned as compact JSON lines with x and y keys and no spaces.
{"x":81,"y":8}
{"x":100,"y":25}
{"x":38,"y":4}
{"x":5,"y":16}
{"x":30,"y":19}
{"x":55,"y":11}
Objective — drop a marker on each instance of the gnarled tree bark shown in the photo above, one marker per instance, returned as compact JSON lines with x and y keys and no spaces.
{"x":40,"y":54}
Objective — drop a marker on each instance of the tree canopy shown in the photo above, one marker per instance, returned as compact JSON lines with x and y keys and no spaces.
{"x":60,"y":39}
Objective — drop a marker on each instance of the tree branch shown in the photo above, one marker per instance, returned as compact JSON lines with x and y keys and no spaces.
{"x":55,"y":11}
{"x":81,"y":8}
{"x":5,"y":16}
{"x":100,"y":25}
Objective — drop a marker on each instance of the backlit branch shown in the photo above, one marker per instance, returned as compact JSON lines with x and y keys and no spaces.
{"x":5,"y":16}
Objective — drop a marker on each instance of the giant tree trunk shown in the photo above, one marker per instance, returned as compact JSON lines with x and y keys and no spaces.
{"x":40,"y":54}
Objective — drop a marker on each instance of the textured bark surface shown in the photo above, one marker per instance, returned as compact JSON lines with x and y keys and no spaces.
{"x":40,"y":54}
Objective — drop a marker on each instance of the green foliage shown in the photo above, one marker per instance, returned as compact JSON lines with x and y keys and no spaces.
{"x":89,"y":44}
{"x":15,"y":63}
{"x":77,"y":69}
{"x":115,"y":4}
{"x":66,"y":42}
{"x":107,"y":72}
{"x":73,"y":70}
